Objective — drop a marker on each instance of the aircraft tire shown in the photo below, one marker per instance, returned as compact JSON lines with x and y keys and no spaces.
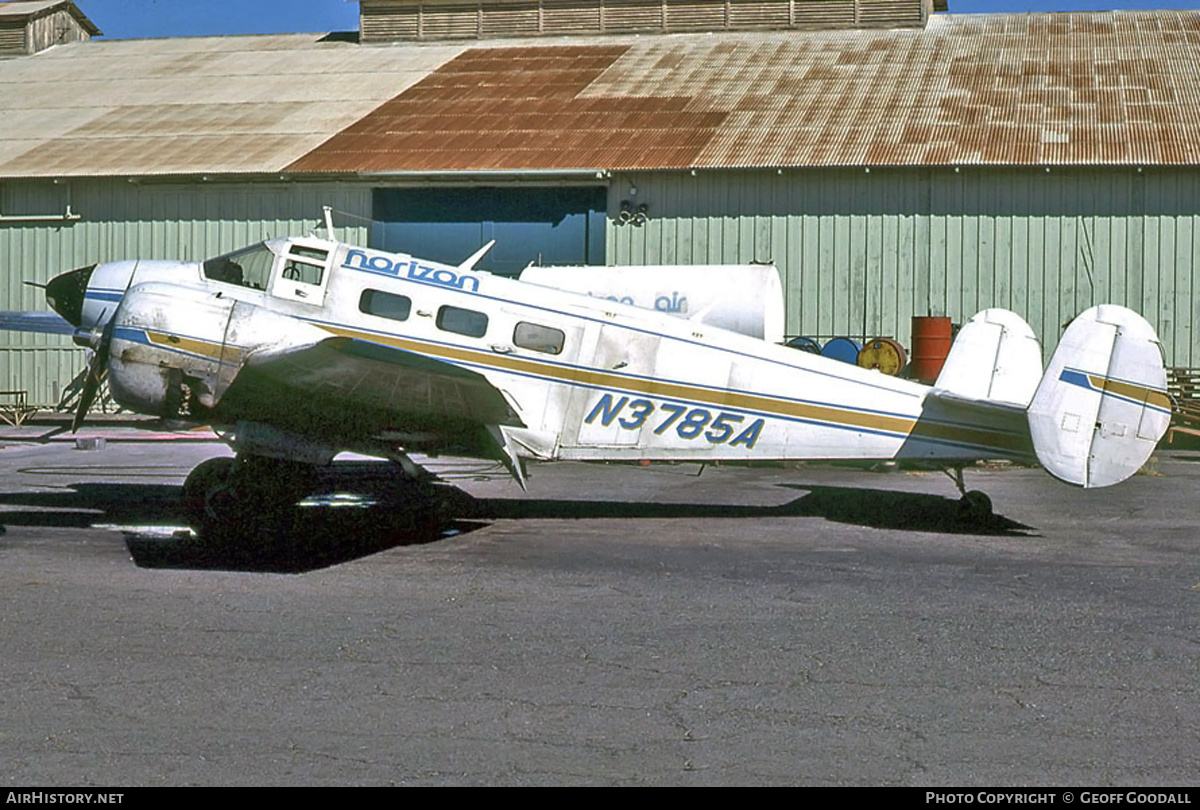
{"x":258,"y":506}
{"x":975,"y":507}
{"x":208,"y":478}
{"x":245,"y":500}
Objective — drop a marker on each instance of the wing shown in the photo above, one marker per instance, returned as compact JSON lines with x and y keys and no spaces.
{"x":44,"y":322}
{"x":351,"y":392}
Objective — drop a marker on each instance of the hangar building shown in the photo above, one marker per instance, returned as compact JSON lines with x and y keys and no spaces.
{"x":891,"y":159}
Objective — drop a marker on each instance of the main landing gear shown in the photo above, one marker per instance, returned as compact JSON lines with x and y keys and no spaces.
{"x":245,"y":495}
{"x":974,"y":506}
{"x":253,"y":500}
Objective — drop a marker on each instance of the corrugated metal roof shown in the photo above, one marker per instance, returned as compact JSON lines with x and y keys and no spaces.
{"x":518,"y":108}
{"x":1078,"y":88}
{"x":1110,"y":87}
{"x":201,"y":105}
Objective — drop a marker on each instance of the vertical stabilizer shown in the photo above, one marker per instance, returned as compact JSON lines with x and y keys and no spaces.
{"x":995,"y":358}
{"x":1102,"y":405}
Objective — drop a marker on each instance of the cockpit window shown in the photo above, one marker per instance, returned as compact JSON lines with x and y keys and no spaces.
{"x":306,"y":252}
{"x":305,"y":264}
{"x":248,"y":267}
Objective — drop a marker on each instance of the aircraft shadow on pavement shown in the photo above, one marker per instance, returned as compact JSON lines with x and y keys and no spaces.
{"x":152,"y":519}
{"x":327,"y":532}
{"x":904,"y":511}
{"x":875,"y":508}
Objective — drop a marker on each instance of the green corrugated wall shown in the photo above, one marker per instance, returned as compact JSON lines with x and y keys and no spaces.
{"x":861,"y":252}
{"x":124,"y":220}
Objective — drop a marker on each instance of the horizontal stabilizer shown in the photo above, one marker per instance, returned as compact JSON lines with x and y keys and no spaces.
{"x":1102,"y":405}
{"x":995,"y":359}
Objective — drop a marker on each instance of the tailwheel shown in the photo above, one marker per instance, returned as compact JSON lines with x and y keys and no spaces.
{"x":974,"y":506}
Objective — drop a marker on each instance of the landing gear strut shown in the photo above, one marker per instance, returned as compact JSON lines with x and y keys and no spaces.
{"x":418,"y":499}
{"x":246,"y":494}
{"x":974,"y":506}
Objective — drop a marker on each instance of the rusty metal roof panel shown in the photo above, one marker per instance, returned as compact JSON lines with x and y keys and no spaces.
{"x":192,"y":105}
{"x":1078,"y":88}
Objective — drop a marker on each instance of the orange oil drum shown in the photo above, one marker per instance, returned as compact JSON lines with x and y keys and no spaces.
{"x":931,"y":337}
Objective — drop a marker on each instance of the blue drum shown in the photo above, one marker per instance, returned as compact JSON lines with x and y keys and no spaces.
{"x":843,"y":349}
{"x":804,"y":344}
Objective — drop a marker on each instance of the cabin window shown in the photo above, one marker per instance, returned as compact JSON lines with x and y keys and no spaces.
{"x":462,"y":321}
{"x":539,"y":338}
{"x":248,"y":267}
{"x":385,"y":305}
{"x":303,"y":272}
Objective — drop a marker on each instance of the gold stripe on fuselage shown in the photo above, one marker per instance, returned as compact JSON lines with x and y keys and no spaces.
{"x":666,"y":390}
{"x":997,"y":438}
{"x":758,"y":403}
{"x":202,"y":348}
{"x":596,"y":378}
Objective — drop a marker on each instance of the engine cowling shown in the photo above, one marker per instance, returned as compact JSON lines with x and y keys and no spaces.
{"x":176,"y":350}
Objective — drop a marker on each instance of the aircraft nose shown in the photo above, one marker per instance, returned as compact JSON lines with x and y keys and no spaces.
{"x":65,"y":294}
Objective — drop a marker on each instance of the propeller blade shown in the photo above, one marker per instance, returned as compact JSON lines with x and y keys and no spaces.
{"x":97,"y":369}
{"x":90,"y":386}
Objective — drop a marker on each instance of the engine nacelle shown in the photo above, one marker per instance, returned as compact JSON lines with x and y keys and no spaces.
{"x":175,"y":350}
{"x":108,"y":282}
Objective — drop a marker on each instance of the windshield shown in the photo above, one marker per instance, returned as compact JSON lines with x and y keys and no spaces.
{"x":248,"y":267}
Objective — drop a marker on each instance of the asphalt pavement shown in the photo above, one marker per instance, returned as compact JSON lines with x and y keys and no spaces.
{"x":615,"y":625}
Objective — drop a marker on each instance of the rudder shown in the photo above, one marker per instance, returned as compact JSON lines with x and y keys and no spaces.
{"x":1102,"y":404}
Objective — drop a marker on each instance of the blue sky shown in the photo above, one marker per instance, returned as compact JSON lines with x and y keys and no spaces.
{"x":122,"y":19}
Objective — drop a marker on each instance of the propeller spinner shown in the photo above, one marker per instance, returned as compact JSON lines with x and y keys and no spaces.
{"x":65,"y":293}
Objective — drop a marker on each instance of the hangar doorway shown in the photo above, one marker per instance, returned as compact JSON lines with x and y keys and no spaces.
{"x":546,"y":225}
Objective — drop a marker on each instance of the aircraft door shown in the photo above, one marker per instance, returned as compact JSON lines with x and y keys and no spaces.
{"x":302,"y":274}
{"x":536,"y":350}
{"x":607,"y":413}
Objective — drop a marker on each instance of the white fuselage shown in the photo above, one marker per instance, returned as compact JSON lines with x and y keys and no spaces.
{"x":590,"y":379}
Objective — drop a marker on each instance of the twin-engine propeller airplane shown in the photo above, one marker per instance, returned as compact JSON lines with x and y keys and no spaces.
{"x":301,"y":348}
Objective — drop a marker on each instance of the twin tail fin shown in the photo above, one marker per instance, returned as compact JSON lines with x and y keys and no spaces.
{"x":1101,"y":406}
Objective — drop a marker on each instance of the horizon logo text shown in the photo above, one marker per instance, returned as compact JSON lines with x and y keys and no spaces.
{"x":411,"y":270}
